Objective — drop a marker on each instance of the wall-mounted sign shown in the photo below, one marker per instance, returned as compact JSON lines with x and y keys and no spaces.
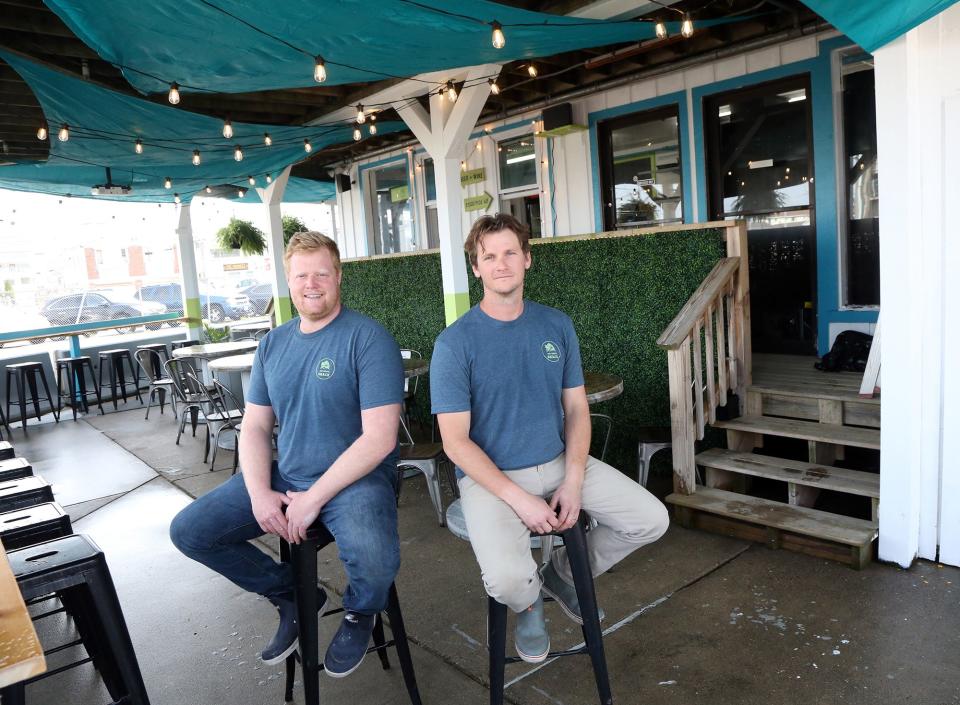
{"x":399,"y":193}
{"x":474,"y":176}
{"x":235,"y":267}
{"x":477,"y":203}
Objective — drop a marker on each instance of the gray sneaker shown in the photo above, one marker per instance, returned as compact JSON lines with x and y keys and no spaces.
{"x":530,"y":637}
{"x":565,"y":594}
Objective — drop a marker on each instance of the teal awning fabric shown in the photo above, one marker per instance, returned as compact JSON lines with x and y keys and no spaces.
{"x":210,"y":45}
{"x":298,"y":191}
{"x":873,"y":23}
{"x":104,"y":125}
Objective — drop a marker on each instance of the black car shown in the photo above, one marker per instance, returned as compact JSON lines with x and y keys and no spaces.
{"x":259,"y":295}
{"x":92,"y":306}
{"x":214,"y":307}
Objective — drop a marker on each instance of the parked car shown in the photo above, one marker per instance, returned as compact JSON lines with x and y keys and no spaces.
{"x":93,"y":306}
{"x":214,"y":307}
{"x":259,"y":295}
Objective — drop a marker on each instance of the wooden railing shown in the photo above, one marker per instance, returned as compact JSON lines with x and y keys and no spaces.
{"x":708,"y":353}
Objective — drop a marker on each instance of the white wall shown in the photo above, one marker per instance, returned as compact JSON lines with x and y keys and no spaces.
{"x":918,"y":116}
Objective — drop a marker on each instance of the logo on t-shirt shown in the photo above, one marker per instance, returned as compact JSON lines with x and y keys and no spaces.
{"x":326,"y":368}
{"x":551,"y":351}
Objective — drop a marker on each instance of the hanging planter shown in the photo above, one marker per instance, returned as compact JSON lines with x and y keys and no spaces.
{"x":242,"y":235}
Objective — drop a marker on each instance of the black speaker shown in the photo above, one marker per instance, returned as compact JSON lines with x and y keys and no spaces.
{"x":343,"y":182}
{"x":557,"y":116}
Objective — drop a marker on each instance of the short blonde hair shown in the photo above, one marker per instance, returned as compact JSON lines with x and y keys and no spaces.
{"x":310,"y":241}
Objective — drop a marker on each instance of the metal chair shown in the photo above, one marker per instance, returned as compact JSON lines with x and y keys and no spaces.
{"x":181,"y":373}
{"x":410,"y":386}
{"x":427,"y":458}
{"x":151,"y":363}
{"x":651,"y":442}
{"x":220,"y":416}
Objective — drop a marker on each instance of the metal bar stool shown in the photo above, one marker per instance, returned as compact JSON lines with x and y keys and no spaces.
{"x":24,"y":492}
{"x":31,"y":525}
{"x":114,"y":360}
{"x":6,"y":449}
{"x":14,"y":469}
{"x":303,"y":557}
{"x":164,"y":355}
{"x":25,"y":374}
{"x":152,"y":364}
{"x":4,"y":424}
{"x":73,"y":368}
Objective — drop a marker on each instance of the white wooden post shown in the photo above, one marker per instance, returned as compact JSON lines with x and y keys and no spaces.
{"x":188,"y":270}
{"x":272,"y":196}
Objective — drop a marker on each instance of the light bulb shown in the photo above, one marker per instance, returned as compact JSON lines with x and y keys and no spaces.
{"x":174,"y":95}
{"x":686,"y":29}
{"x":356,"y":134}
{"x":167,"y":182}
{"x":463,"y":166}
{"x":238,"y":153}
{"x":319,"y":70}
{"x":373,"y":128}
{"x":209,"y":190}
{"x":661,"y":29}
{"x":64,"y":134}
{"x":252,"y":181}
{"x":361,"y":118}
{"x":267,"y":139}
{"x":499,"y":41}
{"x":532,"y":70}
{"x":42,"y":132}
{"x":269,"y":178}
{"x":419,"y":166}
{"x":227,"y":129}
{"x":138,"y":146}
{"x":307,"y":147}
{"x":450,"y":91}
{"x":241,"y":193}
{"x":176,"y":198}
{"x":494,"y":88}
{"x":196,"y":157}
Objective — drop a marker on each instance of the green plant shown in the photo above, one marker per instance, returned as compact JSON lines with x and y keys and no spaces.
{"x":291,"y":226}
{"x":242,"y":235}
{"x":215,"y":334}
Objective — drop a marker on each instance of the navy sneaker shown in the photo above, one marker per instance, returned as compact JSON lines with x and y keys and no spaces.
{"x":564,"y":594}
{"x":349,"y":644}
{"x":284,"y":642}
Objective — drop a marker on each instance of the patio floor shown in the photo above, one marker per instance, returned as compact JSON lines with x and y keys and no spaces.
{"x":693,"y":618}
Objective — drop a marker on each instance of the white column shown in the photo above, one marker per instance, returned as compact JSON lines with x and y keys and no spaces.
{"x":918,"y":108}
{"x":188,"y":270}
{"x":272,"y":196}
{"x":443,"y":133}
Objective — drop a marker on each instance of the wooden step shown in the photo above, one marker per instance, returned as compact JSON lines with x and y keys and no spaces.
{"x":865,"y":484}
{"x":787,"y":526}
{"x":806,"y":430}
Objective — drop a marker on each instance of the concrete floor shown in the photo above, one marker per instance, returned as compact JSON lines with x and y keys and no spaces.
{"x":692,"y":618}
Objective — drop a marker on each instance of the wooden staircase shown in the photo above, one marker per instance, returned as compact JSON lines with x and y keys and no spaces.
{"x":708,"y":346}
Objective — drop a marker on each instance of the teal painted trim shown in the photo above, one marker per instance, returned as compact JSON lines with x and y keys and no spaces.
{"x":686,"y":160}
{"x":853,"y":315}
{"x":75,"y":346}
{"x":99,"y":325}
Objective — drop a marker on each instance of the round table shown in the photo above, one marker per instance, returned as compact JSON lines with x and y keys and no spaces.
{"x":602,"y":386}
{"x":211,"y":351}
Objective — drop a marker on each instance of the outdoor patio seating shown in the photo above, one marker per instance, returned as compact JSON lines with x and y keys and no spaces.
{"x":113,"y":360}
{"x":223,"y":418}
{"x":161,"y":350}
{"x":652,"y":441}
{"x":3,"y":424}
{"x":71,"y":373}
{"x":32,"y":525}
{"x":27,"y":375}
{"x":427,"y":458}
{"x":6,"y":449}
{"x":14,"y":469}
{"x":177,"y":344}
{"x":149,"y":360}
{"x":188,"y":393}
{"x":24,"y":492}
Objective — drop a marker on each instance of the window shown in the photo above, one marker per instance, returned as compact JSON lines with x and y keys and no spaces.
{"x":860,"y":228}
{"x":640,"y":167}
{"x":519,"y":188}
{"x":432,"y":219}
{"x":390,"y":206}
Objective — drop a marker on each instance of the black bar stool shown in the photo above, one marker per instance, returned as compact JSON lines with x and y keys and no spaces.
{"x":73,"y":368}
{"x":31,"y":525}
{"x":161,"y":350}
{"x":575,"y":540}
{"x":114,"y":360}
{"x":24,"y":492}
{"x":6,"y":448}
{"x":14,"y":469}
{"x":75,"y":570}
{"x":303,"y":556}
{"x":177,"y":344}
{"x":4,"y":424}
{"x":25,"y":374}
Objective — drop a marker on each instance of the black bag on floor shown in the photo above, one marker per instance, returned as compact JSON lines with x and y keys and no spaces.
{"x":849,"y":352}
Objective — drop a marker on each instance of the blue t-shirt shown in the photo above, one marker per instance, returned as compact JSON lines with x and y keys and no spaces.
{"x":318,"y":383}
{"x":509,"y":375}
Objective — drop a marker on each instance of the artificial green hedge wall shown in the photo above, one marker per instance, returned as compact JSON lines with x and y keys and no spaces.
{"x":621,"y":292}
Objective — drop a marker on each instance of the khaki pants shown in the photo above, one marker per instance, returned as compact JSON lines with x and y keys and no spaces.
{"x":628,"y":516}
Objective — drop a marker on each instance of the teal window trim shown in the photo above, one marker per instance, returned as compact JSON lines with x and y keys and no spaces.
{"x":679,"y":99}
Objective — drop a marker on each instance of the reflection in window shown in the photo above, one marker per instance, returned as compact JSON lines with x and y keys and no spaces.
{"x":392,"y":221}
{"x":519,"y":189}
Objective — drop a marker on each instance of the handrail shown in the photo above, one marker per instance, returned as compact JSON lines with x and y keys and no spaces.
{"x":89,"y":327}
{"x":695,"y":308}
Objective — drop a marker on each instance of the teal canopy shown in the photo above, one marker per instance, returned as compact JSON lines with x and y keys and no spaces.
{"x":873,"y":23}
{"x":105,"y":124}
{"x":299,"y":191}
{"x":233,"y":46}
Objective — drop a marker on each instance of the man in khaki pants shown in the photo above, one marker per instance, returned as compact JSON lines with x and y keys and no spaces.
{"x":507,"y":386}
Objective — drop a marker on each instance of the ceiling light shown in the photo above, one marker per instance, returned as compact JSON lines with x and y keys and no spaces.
{"x":174,"y":94}
{"x":356,"y":134}
{"x":208,"y":189}
{"x":307,"y":147}
{"x":196,"y":157}
{"x":532,"y":70}
{"x":373,"y":129}
{"x":661,"y":29}
{"x":167,"y":182}
{"x":686,"y":29}
{"x":138,"y":146}
{"x":499,"y":41}
{"x":494,"y":88}
{"x":450,"y":91}
{"x":252,"y":181}
{"x":42,"y":131}
{"x":319,"y":70}
{"x":361,"y":118}
{"x":238,"y":153}
{"x":268,"y":178}
{"x":267,"y":139}
{"x":227,"y":129}
{"x":64,"y":134}
{"x":176,"y":198}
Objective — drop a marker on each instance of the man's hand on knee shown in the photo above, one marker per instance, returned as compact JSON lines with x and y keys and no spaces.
{"x":268,"y":511}
{"x":302,"y":511}
{"x":535,"y":513}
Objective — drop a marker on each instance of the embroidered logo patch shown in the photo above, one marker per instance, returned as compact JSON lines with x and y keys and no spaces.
{"x":551,"y":351}
{"x":326,"y":368}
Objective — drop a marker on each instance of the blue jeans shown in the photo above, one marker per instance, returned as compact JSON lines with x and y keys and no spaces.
{"x":216,"y":530}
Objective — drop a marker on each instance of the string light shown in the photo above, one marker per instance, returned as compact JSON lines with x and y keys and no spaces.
{"x":494,"y":88}
{"x":356,"y":134}
{"x":532,"y":70}
{"x":269,"y":178}
{"x":499,"y":41}
{"x":373,"y":129}
{"x":661,"y":29}
{"x":361,"y":118}
{"x":227,"y":129}
{"x":167,"y":182}
{"x":307,"y":147}
{"x":319,"y":70}
{"x":238,"y":153}
{"x":252,"y":181}
{"x":174,"y":94}
{"x":419,"y":166}
{"x":463,"y":166}
{"x":208,"y":189}
{"x":176,"y":198}
{"x":42,"y":131}
{"x":686,"y":29}
{"x":241,"y":192}
{"x":64,"y":134}
{"x":450,"y":91}
{"x":138,"y":146}
{"x":267,"y":139}
{"x":196,"y":157}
